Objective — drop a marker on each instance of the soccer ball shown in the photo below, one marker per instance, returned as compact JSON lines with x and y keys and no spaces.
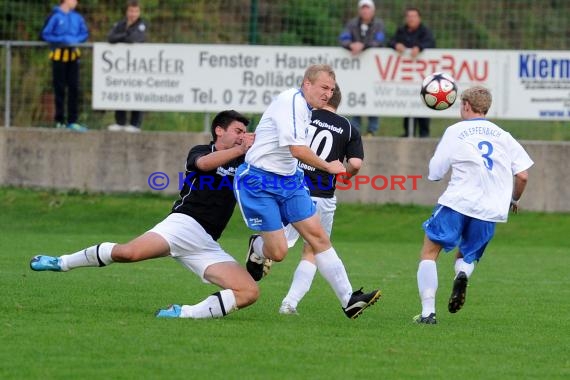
{"x":439,"y":91}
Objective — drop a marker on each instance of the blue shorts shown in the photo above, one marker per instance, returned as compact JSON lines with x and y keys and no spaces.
{"x":451,"y":229}
{"x":269,"y":201}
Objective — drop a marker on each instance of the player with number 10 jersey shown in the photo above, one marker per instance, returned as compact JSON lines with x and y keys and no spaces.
{"x":331,"y":137}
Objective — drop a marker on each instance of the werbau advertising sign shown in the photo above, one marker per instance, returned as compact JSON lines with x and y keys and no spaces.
{"x":210,"y":78}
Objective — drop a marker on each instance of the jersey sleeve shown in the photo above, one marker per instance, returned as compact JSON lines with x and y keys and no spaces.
{"x":292,"y":120}
{"x":194,"y":154}
{"x":354,"y":148}
{"x":520,"y":160}
{"x":441,"y":160}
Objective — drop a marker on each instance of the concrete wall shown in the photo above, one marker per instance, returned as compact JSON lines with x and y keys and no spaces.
{"x":121,"y":162}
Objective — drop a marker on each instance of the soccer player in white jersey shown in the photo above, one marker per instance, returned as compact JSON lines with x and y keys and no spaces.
{"x":331,"y":137}
{"x":270,"y":189}
{"x":190,"y":233}
{"x":483,"y":159}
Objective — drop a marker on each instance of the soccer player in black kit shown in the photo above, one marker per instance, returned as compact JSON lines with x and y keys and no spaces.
{"x":190,"y":232}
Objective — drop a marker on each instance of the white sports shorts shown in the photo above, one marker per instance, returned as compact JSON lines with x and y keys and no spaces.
{"x":190,"y":244}
{"x":325,"y":209}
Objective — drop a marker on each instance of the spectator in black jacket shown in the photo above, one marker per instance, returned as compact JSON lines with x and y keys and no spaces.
{"x":413,"y":37}
{"x":132,"y":29}
{"x":359,"y":34}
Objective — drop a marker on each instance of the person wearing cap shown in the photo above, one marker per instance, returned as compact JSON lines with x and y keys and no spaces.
{"x":360,"y":33}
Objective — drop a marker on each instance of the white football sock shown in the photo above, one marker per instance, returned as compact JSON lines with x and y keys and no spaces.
{"x":95,"y":256}
{"x":217,"y":305}
{"x":302,"y":280}
{"x":427,"y":285}
{"x":462,"y":266}
{"x":258,"y":247}
{"x":332,"y":269}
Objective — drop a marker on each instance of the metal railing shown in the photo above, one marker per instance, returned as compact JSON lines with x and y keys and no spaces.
{"x":8,"y":71}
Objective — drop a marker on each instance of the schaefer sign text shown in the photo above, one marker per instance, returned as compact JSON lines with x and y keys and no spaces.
{"x":188,"y":78}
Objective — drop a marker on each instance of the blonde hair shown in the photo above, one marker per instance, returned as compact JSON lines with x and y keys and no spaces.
{"x":479,"y":98}
{"x":313,"y":72}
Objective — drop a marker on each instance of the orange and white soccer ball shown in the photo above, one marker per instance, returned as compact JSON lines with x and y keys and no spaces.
{"x":439,"y":91}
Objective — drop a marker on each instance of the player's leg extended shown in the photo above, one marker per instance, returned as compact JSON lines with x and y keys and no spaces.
{"x":332,"y":269}
{"x":146,"y":246}
{"x":238,"y":291}
{"x":427,"y":280}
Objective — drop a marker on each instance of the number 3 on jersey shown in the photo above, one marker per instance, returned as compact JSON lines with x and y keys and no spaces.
{"x":487,"y":149}
{"x":317,"y":139}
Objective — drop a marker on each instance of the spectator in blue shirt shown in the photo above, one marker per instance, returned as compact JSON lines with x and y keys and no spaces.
{"x":63,"y":29}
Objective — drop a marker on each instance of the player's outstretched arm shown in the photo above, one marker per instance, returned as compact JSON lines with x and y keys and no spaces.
{"x":304,"y":154}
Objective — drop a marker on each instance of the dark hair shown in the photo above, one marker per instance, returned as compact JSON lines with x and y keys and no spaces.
{"x":224,"y":119}
{"x":413,"y":9}
{"x":132,"y":4}
{"x":336,"y":97}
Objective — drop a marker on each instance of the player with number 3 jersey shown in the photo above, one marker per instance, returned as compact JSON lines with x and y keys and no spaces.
{"x":483,"y":159}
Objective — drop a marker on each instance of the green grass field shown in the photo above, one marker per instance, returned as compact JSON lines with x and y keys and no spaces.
{"x":98,"y":323}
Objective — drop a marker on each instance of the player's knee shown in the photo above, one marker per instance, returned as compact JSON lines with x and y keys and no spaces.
{"x":125,"y":253}
{"x":320,"y":243}
{"x":277,"y":251}
{"x":248,"y":295}
{"x":280,"y":253}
